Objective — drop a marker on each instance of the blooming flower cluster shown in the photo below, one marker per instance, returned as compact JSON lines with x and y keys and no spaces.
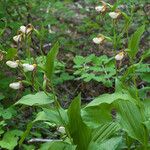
{"x":114,"y":15}
{"x":102,"y":8}
{"x":105,"y":7}
{"x":24,"y":30}
{"x":26,"y":67}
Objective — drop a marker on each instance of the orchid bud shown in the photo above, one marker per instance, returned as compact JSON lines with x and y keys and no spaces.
{"x":119,"y":56}
{"x":15,"y":85}
{"x":12,"y":64}
{"x":28,"y":67}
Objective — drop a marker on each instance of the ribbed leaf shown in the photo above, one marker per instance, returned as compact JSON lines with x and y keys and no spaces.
{"x":94,"y":116}
{"x":110,"y":144}
{"x":52,"y":116}
{"x":57,"y":146}
{"x":99,"y":110}
{"x":79,"y":132}
{"x":104,"y":132}
{"x":131,"y":120}
{"x":50,"y":59}
{"x":134,"y":41}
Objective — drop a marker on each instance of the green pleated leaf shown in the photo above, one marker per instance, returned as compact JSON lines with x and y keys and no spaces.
{"x":52,"y":116}
{"x":131,"y":119}
{"x":104,"y":131}
{"x":109,"y":144}
{"x":134,"y":41}
{"x":79,"y":132}
{"x":99,"y":110}
{"x":57,"y":145}
{"x":50,"y":59}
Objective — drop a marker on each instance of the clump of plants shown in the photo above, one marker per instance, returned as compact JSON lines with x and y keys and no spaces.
{"x":111,"y":121}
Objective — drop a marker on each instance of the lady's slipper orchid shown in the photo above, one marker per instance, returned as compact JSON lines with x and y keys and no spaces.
{"x":100,"y":8}
{"x":28,"y":67}
{"x":15,"y":85}
{"x":23,"y":29}
{"x":99,"y":39}
{"x":115,"y":15}
{"x":17,"y":38}
{"x":26,"y":29}
{"x":12,"y":64}
{"x":119,"y":56}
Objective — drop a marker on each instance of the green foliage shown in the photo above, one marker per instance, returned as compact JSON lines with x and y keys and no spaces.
{"x":134,"y":42}
{"x":10,"y":139}
{"x":118,"y":119}
{"x":39,"y":98}
{"x":49,"y":66}
{"x":79,"y":132}
{"x":101,"y":69}
{"x":132,"y":119}
{"x":57,"y":146}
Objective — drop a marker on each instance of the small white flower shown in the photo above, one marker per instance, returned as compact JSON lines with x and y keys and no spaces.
{"x":15,"y":85}
{"x":26,"y":29}
{"x":98,"y":40}
{"x":114,"y":15}
{"x":23,"y":29}
{"x":17,"y":38}
{"x":119,"y":56}
{"x":28,"y":67}
{"x":100,"y":8}
{"x":12,"y":64}
{"x":61,"y":129}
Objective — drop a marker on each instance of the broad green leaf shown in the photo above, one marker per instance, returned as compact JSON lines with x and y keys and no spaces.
{"x":110,"y":144}
{"x":100,"y":109}
{"x":52,"y":116}
{"x":104,"y":131}
{"x":57,"y":145}
{"x":131,"y":119}
{"x":134,"y":41}
{"x":95,"y":116}
{"x":109,"y":99}
{"x":79,"y":132}
{"x":50,"y":59}
{"x":37,"y":99}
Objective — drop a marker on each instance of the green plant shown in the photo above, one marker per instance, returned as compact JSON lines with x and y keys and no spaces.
{"x":32,"y":76}
{"x":101,"y":69}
